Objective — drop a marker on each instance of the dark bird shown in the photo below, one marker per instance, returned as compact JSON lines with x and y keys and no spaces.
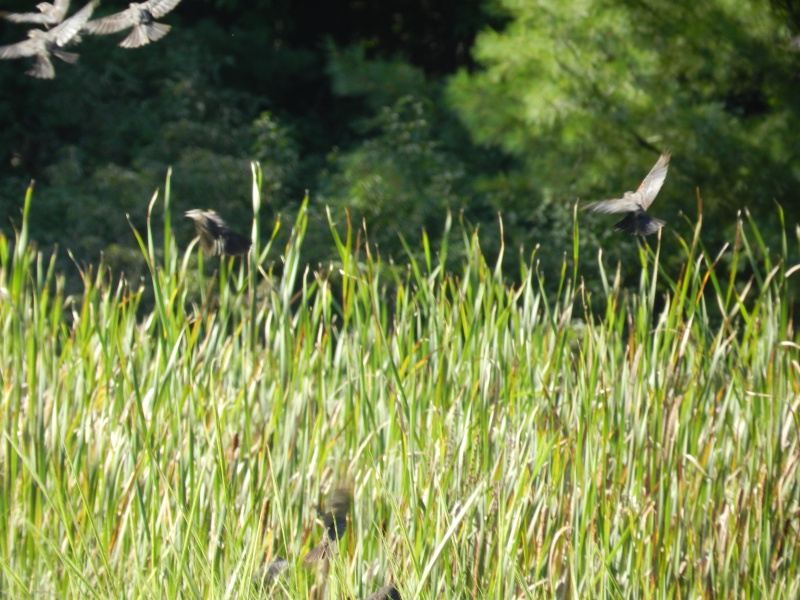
{"x":268,"y":573}
{"x":335,"y":522}
{"x":637,"y":222}
{"x":140,"y":16}
{"x":388,"y":592}
{"x":49,"y":14}
{"x":215,"y":235}
{"x":42,"y":44}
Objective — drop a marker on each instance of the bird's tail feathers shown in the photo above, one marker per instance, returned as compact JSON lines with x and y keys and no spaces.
{"x":42,"y":68}
{"x":156,"y":31}
{"x":235,"y":244}
{"x":70,"y":57}
{"x":639,"y":223}
{"x":145,"y":33}
{"x":138,"y":37}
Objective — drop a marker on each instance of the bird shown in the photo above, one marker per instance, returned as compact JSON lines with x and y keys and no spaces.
{"x":49,"y":14}
{"x":140,"y":16}
{"x":388,"y":592}
{"x":42,"y":44}
{"x":266,"y":575}
{"x":215,"y":236}
{"x":335,"y":522}
{"x":637,"y":222}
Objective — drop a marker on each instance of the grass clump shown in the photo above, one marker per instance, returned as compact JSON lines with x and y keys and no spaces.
{"x":499,"y":442}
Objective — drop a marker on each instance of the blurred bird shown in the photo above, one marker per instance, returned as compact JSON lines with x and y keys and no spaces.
{"x":637,"y":222}
{"x":49,"y":14}
{"x":266,"y":575}
{"x":335,"y":522}
{"x":42,"y":44}
{"x":386,"y":593}
{"x":141,"y":18}
{"x":215,"y":235}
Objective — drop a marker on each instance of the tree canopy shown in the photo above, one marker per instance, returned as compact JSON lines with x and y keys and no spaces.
{"x":401,"y":111}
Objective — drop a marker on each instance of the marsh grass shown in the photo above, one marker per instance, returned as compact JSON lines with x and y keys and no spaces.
{"x":501,"y":442}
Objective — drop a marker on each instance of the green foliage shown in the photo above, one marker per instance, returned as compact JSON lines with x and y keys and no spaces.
{"x":500,"y":444}
{"x":276,"y":150}
{"x":400,"y":181}
{"x":381,"y":82}
{"x":579,"y":90}
{"x":568,"y":100}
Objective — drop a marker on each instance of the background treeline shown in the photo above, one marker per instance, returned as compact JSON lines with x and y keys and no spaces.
{"x":399,"y":111}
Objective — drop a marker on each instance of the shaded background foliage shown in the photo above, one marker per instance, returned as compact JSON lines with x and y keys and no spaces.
{"x":399,"y":111}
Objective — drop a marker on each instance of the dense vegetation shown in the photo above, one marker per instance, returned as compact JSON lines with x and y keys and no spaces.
{"x":499,"y":445}
{"x":523,"y":407}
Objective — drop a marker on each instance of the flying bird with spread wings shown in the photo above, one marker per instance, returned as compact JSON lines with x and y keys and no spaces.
{"x":140,"y":16}
{"x":49,"y":14}
{"x":637,"y":222}
{"x":43,"y":44}
{"x":215,"y":235}
{"x":335,"y":522}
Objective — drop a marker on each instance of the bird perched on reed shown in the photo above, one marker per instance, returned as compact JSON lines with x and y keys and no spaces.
{"x":44,"y":44}
{"x":49,"y":14}
{"x":637,"y":222}
{"x":140,"y":17}
{"x":388,"y":592}
{"x":335,"y":522}
{"x":215,"y":235}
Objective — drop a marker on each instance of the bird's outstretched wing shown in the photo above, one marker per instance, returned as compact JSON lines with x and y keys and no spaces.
{"x":321,"y":551}
{"x":69,"y":28}
{"x":616,"y":205}
{"x":641,"y":198}
{"x":158,"y":8}
{"x":111,"y":24}
{"x":36,"y":18}
{"x":51,"y":14}
{"x":19,"y":50}
{"x":654,"y":180}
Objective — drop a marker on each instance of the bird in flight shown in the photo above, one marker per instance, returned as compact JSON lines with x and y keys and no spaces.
{"x":42,"y":44}
{"x":140,"y":16}
{"x":335,"y":522}
{"x":215,"y":235}
{"x":49,"y":14}
{"x":637,"y":221}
